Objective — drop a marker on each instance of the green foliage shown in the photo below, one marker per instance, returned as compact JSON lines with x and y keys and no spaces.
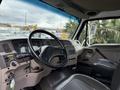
{"x":70,"y":27}
{"x":107,"y":31}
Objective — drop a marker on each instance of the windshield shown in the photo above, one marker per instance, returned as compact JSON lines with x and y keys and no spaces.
{"x":19,"y":17}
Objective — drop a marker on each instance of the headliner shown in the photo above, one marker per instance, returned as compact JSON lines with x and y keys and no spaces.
{"x":88,"y":8}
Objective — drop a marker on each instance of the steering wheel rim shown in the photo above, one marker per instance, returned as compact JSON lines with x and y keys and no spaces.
{"x":39,"y":60}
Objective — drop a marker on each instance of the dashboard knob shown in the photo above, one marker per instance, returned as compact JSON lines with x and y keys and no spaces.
{"x":13,"y":63}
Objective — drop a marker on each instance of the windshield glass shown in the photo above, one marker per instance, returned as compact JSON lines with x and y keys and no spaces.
{"x":19,"y":17}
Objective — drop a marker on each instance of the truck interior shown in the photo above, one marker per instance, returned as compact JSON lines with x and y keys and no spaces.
{"x":59,"y":44}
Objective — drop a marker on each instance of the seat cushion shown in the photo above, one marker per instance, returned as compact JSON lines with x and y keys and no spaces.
{"x":81,"y":82}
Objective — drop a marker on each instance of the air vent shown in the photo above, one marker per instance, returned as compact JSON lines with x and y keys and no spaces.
{"x":6,"y":48}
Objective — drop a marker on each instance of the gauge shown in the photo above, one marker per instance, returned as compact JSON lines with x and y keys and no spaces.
{"x":47,"y":42}
{"x":36,"y":48}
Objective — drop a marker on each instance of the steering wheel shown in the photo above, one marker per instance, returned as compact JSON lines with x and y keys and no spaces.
{"x":51,"y":56}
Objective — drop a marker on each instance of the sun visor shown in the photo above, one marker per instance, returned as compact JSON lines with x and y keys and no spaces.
{"x":85,"y":8}
{"x":64,"y":6}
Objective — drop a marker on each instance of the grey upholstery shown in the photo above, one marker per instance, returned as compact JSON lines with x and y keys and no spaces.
{"x":81,"y":82}
{"x":116,"y":79}
{"x":60,"y":80}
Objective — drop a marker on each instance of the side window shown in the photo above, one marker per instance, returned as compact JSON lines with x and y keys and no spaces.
{"x":102,"y":32}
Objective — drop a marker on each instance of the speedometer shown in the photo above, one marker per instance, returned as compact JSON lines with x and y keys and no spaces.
{"x":36,"y":48}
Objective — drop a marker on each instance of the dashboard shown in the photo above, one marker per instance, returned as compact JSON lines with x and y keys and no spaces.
{"x":17,"y":50}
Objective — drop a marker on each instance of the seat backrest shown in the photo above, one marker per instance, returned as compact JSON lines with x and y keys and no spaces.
{"x":115,"y":85}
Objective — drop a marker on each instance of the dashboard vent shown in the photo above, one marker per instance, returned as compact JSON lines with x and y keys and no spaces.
{"x":6,"y":48}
